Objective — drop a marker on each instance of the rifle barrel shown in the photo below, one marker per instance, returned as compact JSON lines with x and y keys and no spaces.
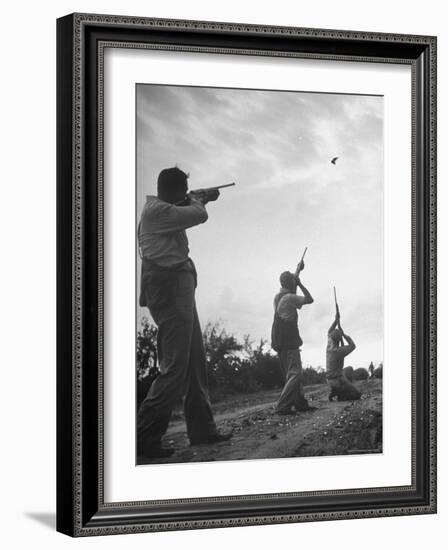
{"x":304,"y":252}
{"x":224,"y":186}
{"x":213,"y":188}
{"x":335,"y":298}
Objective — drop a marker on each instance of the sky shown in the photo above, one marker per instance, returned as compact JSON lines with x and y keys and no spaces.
{"x":277,"y":147}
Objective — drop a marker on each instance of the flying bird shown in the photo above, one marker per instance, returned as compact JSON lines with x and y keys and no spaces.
{"x":333,"y":160}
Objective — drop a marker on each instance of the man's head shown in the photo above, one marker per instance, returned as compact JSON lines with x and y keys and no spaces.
{"x":334,"y":337}
{"x":172,"y":185}
{"x":288,"y":280}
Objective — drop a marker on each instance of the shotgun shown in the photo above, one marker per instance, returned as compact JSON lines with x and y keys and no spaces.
{"x":301,"y":260}
{"x":207,"y":189}
{"x":337,"y":308}
{"x":203,"y":191}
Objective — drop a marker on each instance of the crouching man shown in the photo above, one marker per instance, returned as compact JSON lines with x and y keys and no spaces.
{"x":336,"y":352}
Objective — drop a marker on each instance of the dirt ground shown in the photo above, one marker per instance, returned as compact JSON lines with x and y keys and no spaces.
{"x":334,"y":428}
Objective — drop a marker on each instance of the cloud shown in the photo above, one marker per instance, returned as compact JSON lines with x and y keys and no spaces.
{"x":277,"y":146}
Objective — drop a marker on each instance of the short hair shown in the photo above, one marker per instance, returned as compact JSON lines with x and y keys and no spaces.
{"x":288,"y":280}
{"x":170,"y":182}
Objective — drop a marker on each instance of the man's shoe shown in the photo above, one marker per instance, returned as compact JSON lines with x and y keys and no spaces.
{"x":157,"y":451}
{"x":217,"y":437}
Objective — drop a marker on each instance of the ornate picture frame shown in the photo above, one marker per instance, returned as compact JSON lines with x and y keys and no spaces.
{"x":81,"y":507}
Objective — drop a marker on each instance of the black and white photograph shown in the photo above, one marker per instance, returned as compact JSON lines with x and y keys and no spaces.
{"x":259,"y":260}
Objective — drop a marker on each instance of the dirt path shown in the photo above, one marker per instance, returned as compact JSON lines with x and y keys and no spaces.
{"x":333,"y":428}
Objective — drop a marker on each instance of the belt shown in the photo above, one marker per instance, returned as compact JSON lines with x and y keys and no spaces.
{"x":151,"y":265}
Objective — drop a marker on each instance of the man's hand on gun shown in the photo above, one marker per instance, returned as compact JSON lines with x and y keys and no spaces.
{"x":338,"y":320}
{"x":308,"y":299}
{"x":300,"y":266}
{"x":299,"y":269}
{"x":204,"y":195}
{"x":208,"y":194}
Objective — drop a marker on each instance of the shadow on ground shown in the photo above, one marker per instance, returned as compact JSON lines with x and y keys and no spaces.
{"x":47,"y":519}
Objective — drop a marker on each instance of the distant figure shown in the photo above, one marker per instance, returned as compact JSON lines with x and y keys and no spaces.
{"x":333,"y":160}
{"x":286,"y":341}
{"x":378,"y":372}
{"x":371,"y":369}
{"x":340,"y":386}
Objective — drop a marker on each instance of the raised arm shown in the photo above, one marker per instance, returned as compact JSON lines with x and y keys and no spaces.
{"x":336,"y":322}
{"x":350,"y":346}
{"x":169,"y":218}
{"x":307,"y":298}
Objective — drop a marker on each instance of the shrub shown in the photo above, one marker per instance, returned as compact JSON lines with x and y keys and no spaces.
{"x":360,"y":374}
{"x":267,"y":372}
{"x":378,"y":372}
{"x":233,"y":367}
{"x":146,"y":358}
{"x":312,"y":376}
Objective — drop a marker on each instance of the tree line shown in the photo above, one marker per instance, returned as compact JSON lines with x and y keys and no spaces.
{"x":233,"y":366}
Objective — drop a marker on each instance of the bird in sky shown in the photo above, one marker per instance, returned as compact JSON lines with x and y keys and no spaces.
{"x":333,"y":160}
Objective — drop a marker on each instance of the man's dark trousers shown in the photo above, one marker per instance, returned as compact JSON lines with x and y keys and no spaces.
{"x":183,"y":368}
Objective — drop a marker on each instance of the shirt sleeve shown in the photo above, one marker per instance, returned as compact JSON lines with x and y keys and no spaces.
{"x":172,"y":219}
{"x":345,"y":350}
{"x":298,"y":301}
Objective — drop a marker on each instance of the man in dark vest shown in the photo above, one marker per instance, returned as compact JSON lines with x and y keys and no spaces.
{"x":168,"y":286}
{"x":286,"y":340}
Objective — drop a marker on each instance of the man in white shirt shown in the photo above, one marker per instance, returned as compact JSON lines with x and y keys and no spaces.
{"x":168,"y":285}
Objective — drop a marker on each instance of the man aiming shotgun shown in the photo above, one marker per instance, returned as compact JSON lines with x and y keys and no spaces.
{"x":168,"y":284}
{"x":286,"y":340}
{"x":337,"y":350}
